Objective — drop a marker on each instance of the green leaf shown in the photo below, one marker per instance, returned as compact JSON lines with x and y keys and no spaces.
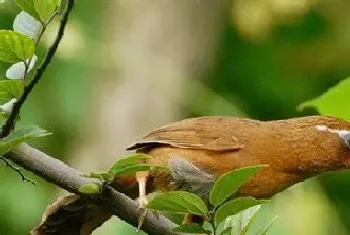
{"x":241,"y":222}
{"x":190,"y":228}
{"x":135,"y":159}
{"x":11,"y":89}
{"x":4,"y":97}
{"x":39,"y":9}
{"x":229,"y":183}
{"x":235,"y":206}
{"x":178,"y":202}
{"x":105,"y":176}
{"x":263,"y":231}
{"x":248,"y":217}
{"x":333,"y":102}
{"x":227,"y":231}
{"x":129,"y":170}
{"x":20,"y":135}
{"x":90,"y":189}
{"x":132,"y":164}
{"x":15,"y":47}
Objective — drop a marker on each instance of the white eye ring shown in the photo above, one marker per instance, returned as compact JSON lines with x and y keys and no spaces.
{"x":345,"y":136}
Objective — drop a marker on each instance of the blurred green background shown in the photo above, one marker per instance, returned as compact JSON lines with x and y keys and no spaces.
{"x":126,"y":66}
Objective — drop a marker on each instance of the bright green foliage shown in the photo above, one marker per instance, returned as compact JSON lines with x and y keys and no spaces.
{"x":11,"y":89}
{"x":227,"y":231}
{"x":90,"y":189}
{"x":239,"y":213}
{"x":191,"y":228}
{"x":241,"y":223}
{"x":103,"y":176}
{"x":132,"y":164}
{"x":20,"y":135}
{"x":229,"y":183}
{"x":334,"y":102}
{"x":247,"y":218}
{"x":129,"y":170}
{"x":234,"y":207}
{"x":130,"y":160}
{"x":179,"y":202}
{"x":15,"y":47}
{"x":39,"y":9}
{"x":263,"y":231}
{"x":123,"y":163}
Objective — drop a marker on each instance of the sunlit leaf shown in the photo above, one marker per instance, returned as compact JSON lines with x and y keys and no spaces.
{"x":26,"y":24}
{"x":131,"y":169}
{"x":39,"y":9}
{"x":229,"y":183}
{"x":20,"y":135}
{"x":179,"y":202}
{"x":227,"y":231}
{"x":135,"y":159}
{"x":101,"y":175}
{"x":263,"y":231}
{"x":235,"y":206}
{"x":15,"y":47}
{"x":11,"y":88}
{"x":241,"y":222}
{"x":7,"y":107}
{"x":89,"y":189}
{"x":18,"y":70}
{"x":333,"y":102}
{"x":247,"y":218}
{"x":191,"y":228}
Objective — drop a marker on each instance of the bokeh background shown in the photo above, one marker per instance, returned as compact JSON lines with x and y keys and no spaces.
{"x":126,"y":66}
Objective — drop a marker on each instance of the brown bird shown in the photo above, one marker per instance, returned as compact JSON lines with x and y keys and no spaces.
{"x":199,"y":150}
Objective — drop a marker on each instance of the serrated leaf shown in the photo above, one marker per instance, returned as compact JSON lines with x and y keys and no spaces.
{"x":234,"y":207}
{"x":228,"y":184}
{"x":134,"y":159}
{"x":179,"y":202}
{"x":263,"y":231}
{"x":11,"y":89}
{"x":39,"y":9}
{"x":89,"y":189}
{"x":191,"y":228}
{"x":20,"y":135}
{"x":333,"y":102}
{"x":15,"y":47}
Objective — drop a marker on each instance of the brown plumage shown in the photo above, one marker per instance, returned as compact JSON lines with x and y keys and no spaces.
{"x":294,"y":149}
{"x":198,"y":150}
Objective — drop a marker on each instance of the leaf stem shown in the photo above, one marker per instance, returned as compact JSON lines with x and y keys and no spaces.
{"x":214,"y":227}
{"x":10,"y":122}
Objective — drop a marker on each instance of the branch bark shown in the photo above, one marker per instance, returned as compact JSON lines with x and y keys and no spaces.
{"x":60,"y":174}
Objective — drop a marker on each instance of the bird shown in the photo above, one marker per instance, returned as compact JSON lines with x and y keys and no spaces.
{"x":199,"y":150}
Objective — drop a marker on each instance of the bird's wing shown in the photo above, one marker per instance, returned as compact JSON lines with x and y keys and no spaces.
{"x":207,"y":133}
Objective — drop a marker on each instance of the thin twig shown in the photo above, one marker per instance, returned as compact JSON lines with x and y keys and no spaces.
{"x":10,"y":122}
{"x":44,"y":26}
{"x":16,"y":169}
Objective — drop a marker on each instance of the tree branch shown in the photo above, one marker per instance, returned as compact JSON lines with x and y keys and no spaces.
{"x":10,"y":122}
{"x":58,"y":173}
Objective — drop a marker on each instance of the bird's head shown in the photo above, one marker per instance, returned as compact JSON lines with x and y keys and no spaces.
{"x":327,"y":145}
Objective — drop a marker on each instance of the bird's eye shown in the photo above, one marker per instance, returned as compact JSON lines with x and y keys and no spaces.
{"x":345,"y":136}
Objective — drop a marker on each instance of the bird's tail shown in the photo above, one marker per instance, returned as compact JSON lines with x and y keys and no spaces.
{"x":74,"y":215}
